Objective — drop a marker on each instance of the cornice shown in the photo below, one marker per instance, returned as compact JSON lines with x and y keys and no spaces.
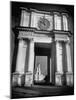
{"x":50,"y":33}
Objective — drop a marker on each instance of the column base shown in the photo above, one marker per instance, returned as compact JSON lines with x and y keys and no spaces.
{"x":29,"y":79}
{"x":18,"y":79}
{"x":69,"y":78}
{"x":58,"y":79}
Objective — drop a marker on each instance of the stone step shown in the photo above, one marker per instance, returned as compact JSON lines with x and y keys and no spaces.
{"x":37,"y":90}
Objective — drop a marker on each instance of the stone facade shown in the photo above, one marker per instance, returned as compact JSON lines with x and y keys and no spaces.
{"x":51,"y":29}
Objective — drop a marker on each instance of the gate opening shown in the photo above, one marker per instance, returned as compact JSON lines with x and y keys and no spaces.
{"x":42,"y":65}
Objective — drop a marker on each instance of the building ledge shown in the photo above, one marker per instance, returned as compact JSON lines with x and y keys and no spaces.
{"x":35,"y":30}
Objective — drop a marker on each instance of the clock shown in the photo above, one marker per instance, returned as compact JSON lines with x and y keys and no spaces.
{"x":43,"y":23}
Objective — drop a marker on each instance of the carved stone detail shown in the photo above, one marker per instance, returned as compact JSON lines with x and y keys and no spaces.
{"x":28,"y":78}
{"x":18,"y":79}
{"x":69,"y":78}
{"x":58,"y":79}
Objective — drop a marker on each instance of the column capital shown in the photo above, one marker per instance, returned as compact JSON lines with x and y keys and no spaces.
{"x":68,"y":42}
{"x":57,"y":41}
{"x":23,"y":42}
{"x":31,"y":39}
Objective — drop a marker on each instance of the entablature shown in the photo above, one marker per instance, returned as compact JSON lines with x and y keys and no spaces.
{"x":30,"y":33}
{"x":35,"y":31}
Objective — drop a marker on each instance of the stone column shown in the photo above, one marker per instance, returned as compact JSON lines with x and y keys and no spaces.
{"x":18,"y":76}
{"x":69,"y":73}
{"x":29,"y":74}
{"x":59,"y":66}
{"x":50,"y":71}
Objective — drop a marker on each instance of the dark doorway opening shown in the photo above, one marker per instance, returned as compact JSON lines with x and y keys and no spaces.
{"x":42,"y":69}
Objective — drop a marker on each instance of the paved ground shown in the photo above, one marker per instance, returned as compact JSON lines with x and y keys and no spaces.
{"x":40,"y":91}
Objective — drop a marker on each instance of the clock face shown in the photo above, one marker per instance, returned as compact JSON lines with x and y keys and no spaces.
{"x":43,"y":23}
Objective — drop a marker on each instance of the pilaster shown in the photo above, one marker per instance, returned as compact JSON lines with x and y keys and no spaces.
{"x":29,"y":74}
{"x":59,"y":65}
{"x":19,"y":74}
{"x":69,"y":73}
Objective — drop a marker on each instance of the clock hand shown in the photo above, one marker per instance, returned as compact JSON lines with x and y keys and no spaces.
{"x":42,"y":22}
